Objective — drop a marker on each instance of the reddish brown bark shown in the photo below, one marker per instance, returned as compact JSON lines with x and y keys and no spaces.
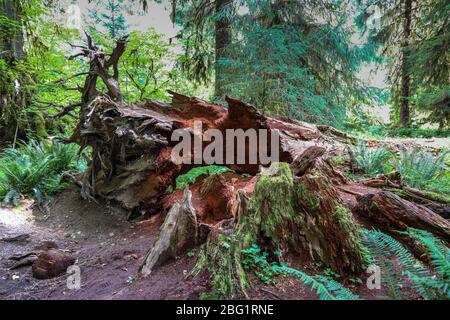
{"x":391,"y":213}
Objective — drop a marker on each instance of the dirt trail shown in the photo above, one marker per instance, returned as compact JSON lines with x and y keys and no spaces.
{"x":108,"y":250}
{"x":431,"y":143}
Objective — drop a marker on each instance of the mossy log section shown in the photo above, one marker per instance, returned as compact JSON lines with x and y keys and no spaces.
{"x":435,"y":202}
{"x":390,"y":213}
{"x":285,"y":214}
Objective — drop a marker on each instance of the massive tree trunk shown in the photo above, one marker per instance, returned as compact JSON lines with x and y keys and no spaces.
{"x":13,"y":96}
{"x":294,"y":206}
{"x":11,"y":37}
{"x":405,"y":77}
{"x":223,"y":40}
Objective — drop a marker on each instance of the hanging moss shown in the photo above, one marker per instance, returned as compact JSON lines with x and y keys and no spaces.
{"x":39,"y":126}
{"x":17,"y":89}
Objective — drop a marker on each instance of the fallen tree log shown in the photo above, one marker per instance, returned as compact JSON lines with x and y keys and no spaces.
{"x":287,"y":204}
{"x":435,"y":202}
{"x":391,"y":213}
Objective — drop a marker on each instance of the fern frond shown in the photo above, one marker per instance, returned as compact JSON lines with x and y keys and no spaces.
{"x":324,"y":287}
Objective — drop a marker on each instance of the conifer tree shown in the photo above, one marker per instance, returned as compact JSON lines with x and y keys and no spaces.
{"x":109,"y":14}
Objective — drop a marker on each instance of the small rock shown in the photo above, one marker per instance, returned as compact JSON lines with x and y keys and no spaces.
{"x":51,"y":264}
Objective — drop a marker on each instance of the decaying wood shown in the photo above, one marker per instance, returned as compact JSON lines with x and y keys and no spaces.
{"x":432,"y":201}
{"x":51,"y":264}
{"x":305,"y":160}
{"x":392,"y":179}
{"x":25,"y":237}
{"x":391,"y":213}
{"x":393,"y":182}
{"x":292,"y":207}
{"x":178,"y":234}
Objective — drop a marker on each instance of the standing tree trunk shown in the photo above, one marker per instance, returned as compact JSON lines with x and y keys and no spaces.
{"x":405,"y":82}
{"x":223,"y":40}
{"x":11,"y":38}
{"x":13,"y":96}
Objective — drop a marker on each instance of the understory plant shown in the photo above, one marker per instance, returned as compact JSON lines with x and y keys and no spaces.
{"x":422,"y":170}
{"x":35,"y":169}
{"x":399,"y":268}
{"x":192,"y":175}
{"x":418,"y":168}
{"x":326,"y":288}
{"x":371,"y":161}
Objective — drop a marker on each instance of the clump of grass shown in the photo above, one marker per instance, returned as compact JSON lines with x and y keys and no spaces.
{"x":34,"y":170}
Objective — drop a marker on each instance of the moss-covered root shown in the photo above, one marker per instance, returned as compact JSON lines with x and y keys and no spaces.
{"x":268,"y":217}
{"x":220,"y":256}
{"x":329,"y":231}
{"x":291,"y":215}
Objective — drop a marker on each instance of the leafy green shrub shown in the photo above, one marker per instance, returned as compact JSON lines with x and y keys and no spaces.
{"x":35,"y":169}
{"x":398,"y":264}
{"x":325,"y":287}
{"x":372,"y":160}
{"x":422,"y":170}
{"x":191,"y":176}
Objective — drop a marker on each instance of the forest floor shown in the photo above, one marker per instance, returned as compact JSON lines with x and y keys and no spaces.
{"x":433,"y":143}
{"x":109,"y":252}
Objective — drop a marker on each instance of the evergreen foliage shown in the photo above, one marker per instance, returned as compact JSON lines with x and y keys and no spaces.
{"x":109,"y":15}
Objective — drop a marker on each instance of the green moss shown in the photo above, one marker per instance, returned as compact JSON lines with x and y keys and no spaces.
{"x":337,"y":160}
{"x":39,"y":126}
{"x":221,"y":257}
{"x":343,"y":217}
{"x":274,"y":200}
{"x":267,"y":214}
{"x":307,"y":198}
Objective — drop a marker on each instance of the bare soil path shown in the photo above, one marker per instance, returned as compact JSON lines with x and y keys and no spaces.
{"x":108,"y":250}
